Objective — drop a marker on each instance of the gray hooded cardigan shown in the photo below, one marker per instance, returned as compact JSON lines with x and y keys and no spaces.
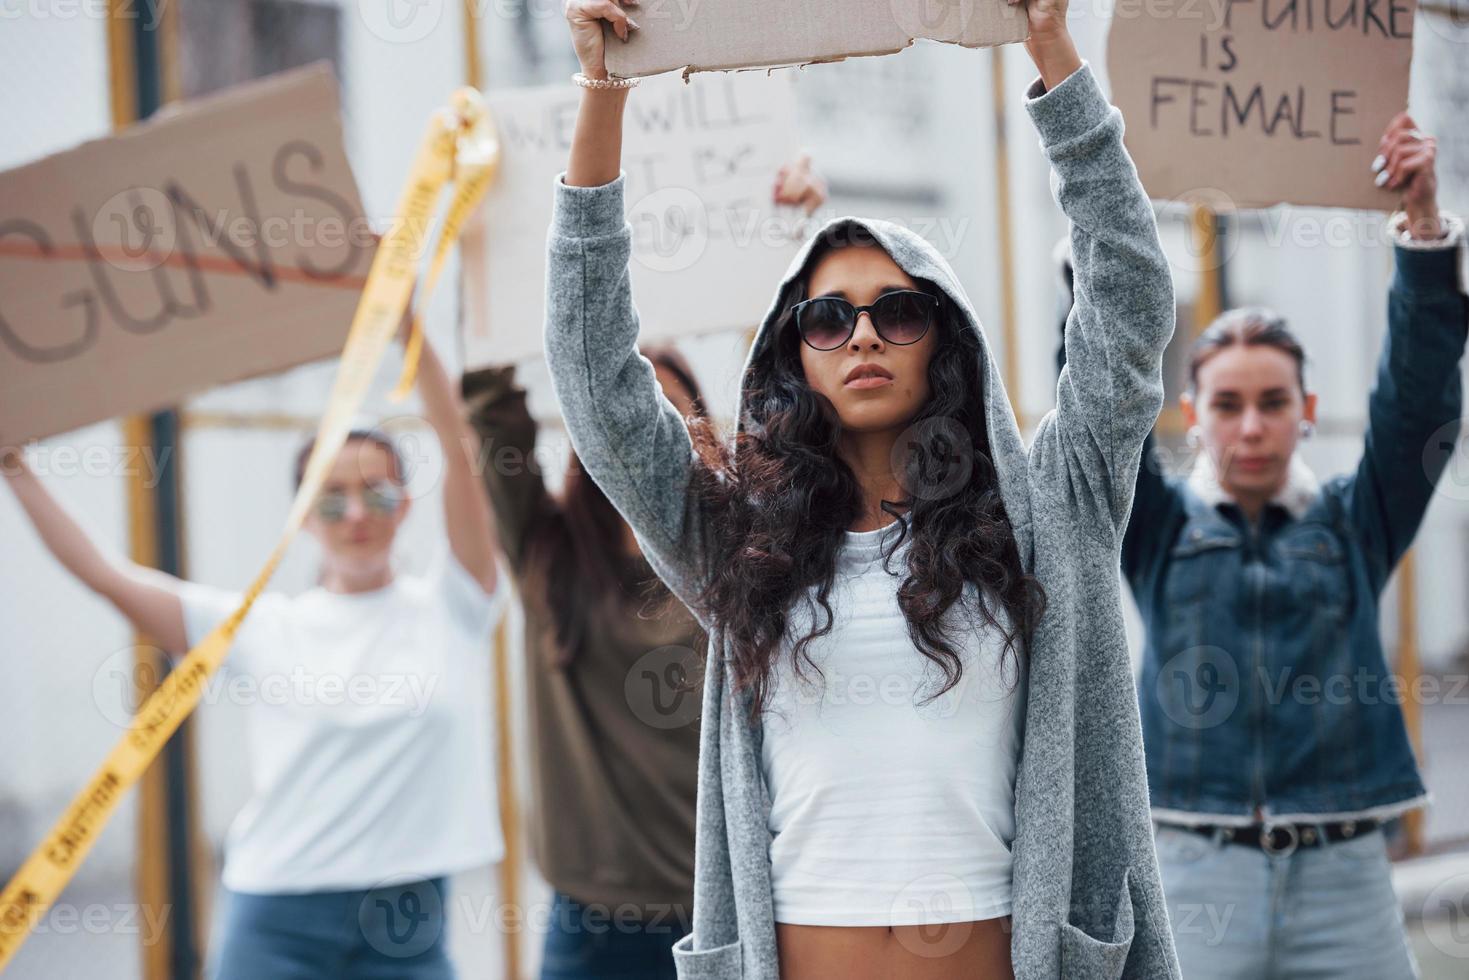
{"x":1087,"y":900}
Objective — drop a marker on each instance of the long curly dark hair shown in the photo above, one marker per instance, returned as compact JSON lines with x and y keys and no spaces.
{"x":780,"y":499}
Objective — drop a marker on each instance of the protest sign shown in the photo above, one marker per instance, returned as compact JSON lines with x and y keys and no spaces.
{"x":1250,"y":103}
{"x":223,"y":240}
{"x":708,"y":245}
{"x":686,"y":34}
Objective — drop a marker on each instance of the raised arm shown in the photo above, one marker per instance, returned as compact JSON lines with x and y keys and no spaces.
{"x":1111,"y":389}
{"x":147,"y":597}
{"x":629,"y":437}
{"x":1085,"y":453}
{"x":596,"y":143}
{"x":1413,"y":412}
{"x":467,"y":519}
{"x":496,"y":409}
{"x":1156,"y":505}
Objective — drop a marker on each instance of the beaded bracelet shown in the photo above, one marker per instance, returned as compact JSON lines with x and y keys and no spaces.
{"x":581,"y":79}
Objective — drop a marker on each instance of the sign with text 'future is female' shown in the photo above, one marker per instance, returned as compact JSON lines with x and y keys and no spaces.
{"x":1249,"y":103}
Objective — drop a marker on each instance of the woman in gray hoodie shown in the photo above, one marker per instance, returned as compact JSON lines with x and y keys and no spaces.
{"x":920,"y":751}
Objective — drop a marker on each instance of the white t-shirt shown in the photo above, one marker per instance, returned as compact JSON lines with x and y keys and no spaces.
{"x":885,"y":810}
{"x":368,"y":731}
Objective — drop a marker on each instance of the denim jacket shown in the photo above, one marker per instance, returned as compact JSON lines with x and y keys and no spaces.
{"x":1264,"y":681}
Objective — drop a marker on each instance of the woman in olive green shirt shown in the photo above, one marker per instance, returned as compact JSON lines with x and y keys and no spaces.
{"x":611,"y":671}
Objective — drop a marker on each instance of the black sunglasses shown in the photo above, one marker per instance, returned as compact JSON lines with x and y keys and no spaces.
{"x":900,"y":317}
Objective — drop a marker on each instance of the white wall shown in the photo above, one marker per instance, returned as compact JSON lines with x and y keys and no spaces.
{"x":53,"y":70}
{"x":60,"y":644}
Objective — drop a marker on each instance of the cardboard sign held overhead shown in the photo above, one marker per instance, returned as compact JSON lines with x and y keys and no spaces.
{"x":725,"y":34}
{"x":1250,"y":103}
{"x":708,"y":244}
{"x":221,"y":241}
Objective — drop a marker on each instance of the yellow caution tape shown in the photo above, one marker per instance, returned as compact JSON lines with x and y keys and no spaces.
{"x":459,"y":145}
{"x":477,"y":163}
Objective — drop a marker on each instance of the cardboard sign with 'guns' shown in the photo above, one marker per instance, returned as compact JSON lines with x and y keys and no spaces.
{"x":223,"y":240}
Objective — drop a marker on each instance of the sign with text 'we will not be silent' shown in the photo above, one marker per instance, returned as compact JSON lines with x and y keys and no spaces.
{"x":1250,"y":103}
{"x":700,"y":161}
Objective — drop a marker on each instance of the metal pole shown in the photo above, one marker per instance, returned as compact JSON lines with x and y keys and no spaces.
{"x":1210,"y":300}
{"x":1409,"y":669}
{"x":165,"y":826}
{"x":471,"y":259}
{"x":1004,"y":231}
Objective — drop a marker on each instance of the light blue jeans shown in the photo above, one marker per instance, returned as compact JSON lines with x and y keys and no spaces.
{"x":392,"y":932}
{"x":1320,"y":913}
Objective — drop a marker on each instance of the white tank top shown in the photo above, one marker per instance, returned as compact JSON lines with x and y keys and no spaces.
{"x":887,"y":811}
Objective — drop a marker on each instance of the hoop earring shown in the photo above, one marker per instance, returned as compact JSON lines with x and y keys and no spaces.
{"x":1308,"y":428}
{"x":1194,"y":437}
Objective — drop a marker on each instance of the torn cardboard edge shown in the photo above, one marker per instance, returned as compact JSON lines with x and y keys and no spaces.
{"x":687,"y":71}
{"x":1222,"y":202}
{"x":762,"y":34}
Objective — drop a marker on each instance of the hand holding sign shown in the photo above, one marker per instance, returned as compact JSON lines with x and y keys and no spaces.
{"x":1405,"y":161}
{"x":1049,"y":42}
{"x":1046,"y":19}
{"x":588,"y":36}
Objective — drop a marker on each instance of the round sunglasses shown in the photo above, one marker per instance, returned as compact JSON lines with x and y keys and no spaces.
{"x":900,"y":317}
{"x":378,"y":497}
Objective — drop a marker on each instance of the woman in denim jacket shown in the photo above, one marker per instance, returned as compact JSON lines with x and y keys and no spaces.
{"x":1274,"y":738}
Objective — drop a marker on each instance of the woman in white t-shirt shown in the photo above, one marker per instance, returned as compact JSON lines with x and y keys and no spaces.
{"x":368,"y":733}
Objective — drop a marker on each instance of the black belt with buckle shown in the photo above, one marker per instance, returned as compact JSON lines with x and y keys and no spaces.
{"x":1283,"y":838}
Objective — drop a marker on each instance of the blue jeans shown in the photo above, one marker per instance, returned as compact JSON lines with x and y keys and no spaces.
{"x":388,"y":933}
{"x":1323,"y":913}
{"x":584,"y":945}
